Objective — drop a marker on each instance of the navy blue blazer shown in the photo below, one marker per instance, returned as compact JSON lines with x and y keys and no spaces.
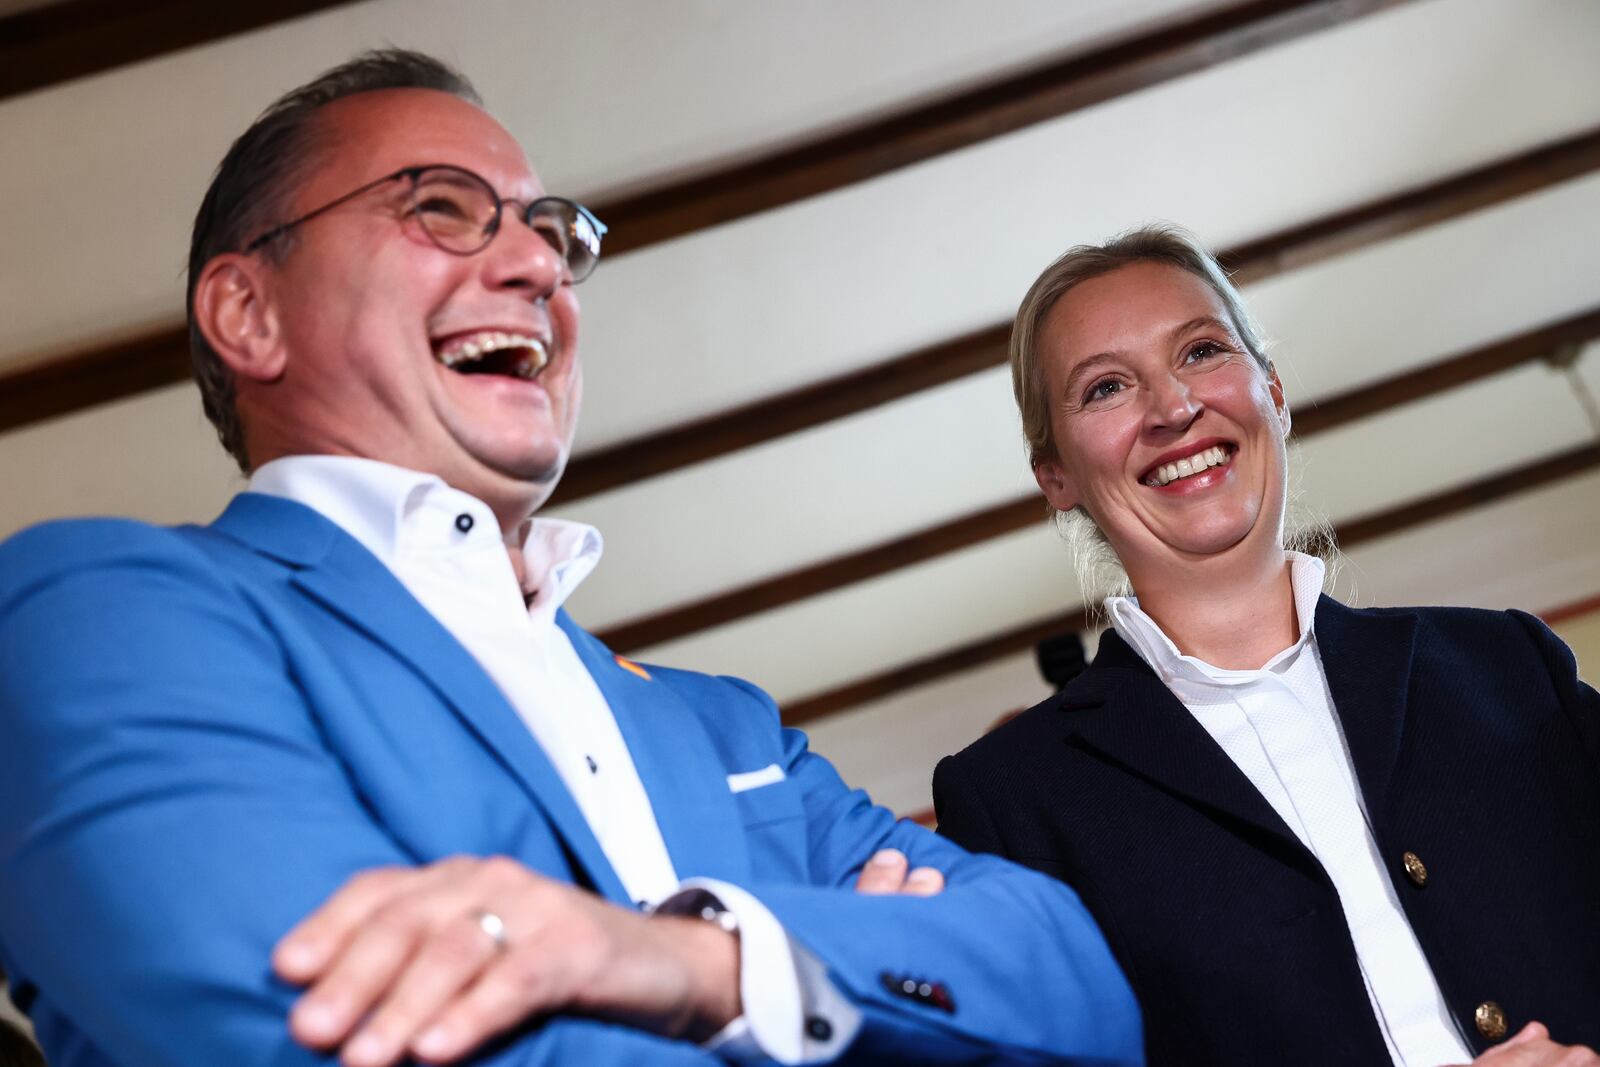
{"x":204,"y":731}
{"x":1477,"y":749}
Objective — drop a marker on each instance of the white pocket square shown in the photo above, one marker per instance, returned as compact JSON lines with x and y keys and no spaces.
{"x":738,"y":783}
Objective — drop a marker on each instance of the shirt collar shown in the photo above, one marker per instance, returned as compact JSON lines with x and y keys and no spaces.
{"x":396,"y":512}
{"x":1146,"y":638}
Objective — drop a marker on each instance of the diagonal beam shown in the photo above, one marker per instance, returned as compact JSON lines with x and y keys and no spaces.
{"x":48,"y":390}
{"x":1008,"y":517}
{"x":917,"y":135}
{"x":1394,"y":520}
{"x":60,"y":41}
{"x":733,"y":192}
{"x":848,"y":394}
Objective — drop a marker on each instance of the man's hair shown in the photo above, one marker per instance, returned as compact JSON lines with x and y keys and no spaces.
{"x":251,"y":189}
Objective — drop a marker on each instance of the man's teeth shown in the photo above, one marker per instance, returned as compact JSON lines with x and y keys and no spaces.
{"x":1214,"y":456}
{"x":476,"y":346}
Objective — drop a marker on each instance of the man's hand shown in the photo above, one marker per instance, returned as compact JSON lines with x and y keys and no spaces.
{"x":887,"y":872}
{"x":1532,"y":1047}
{"x":401,"y":961}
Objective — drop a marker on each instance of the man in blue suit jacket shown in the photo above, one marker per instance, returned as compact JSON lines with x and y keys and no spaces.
{"x":291,"y":766}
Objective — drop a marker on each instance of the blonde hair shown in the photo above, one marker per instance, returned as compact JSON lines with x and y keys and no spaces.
{"x":1099,"y":571}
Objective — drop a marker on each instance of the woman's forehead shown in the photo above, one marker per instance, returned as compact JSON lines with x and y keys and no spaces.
{"x":1132,"y":306}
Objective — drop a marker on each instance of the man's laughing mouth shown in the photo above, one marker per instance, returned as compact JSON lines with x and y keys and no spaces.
{"x":514,"y":355}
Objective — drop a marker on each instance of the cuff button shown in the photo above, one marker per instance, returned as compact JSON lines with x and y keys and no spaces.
{"x":818,"y":1028}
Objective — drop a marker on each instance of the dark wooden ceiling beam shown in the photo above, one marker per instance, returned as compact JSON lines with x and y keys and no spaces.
{"x":60,"y":41}
{"x":1014,"y":515}
{"x":61,"y":387}
{"x":1409,"y":516}
{"x":914,"y":136}
{"x":848,"y":394}
{"x":1415,"y":209}
{"x":1445,"y":374}
{"x":836,"y":573}
{"x":35,"y":39}
{"x":778,"y":416}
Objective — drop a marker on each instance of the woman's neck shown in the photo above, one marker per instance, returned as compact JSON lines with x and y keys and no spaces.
{"x":1230,"y":617}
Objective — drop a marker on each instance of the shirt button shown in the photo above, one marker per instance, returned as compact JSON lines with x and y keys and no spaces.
{"x":1416,"y":870}
{"x":463,"y":522}
{"x":818,"y":1028}
{"x":1491,"y":1020}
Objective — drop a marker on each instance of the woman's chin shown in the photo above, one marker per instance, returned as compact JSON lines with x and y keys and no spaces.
{"x":1208,"y":541}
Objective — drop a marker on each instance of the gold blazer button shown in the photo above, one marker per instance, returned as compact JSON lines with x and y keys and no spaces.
{"x":1491,"y":1020}
{"x":1416,"y":870}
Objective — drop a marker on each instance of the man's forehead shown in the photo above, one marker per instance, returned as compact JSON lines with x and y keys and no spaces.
{"x":381,"y":131}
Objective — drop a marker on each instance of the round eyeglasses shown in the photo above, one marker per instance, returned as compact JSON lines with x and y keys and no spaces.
{"x":460,"y":212}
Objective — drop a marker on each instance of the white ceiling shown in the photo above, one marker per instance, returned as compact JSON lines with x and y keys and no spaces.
{"x":102,"y":176}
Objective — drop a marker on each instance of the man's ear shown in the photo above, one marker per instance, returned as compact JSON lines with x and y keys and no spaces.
{"x":1275,"y":387}
{"x":1056,"y":484}
{"x":233,"y":310}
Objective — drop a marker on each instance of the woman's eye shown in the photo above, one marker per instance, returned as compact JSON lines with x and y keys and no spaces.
{"x":1203,"y":350}
{"x":1102,"y":390}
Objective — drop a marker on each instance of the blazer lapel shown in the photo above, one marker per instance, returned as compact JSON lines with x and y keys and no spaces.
{"x":1122,"y":712}
{"x":686,"y":783}
{"x":1367,"y":659}
{"x":350,"y":582}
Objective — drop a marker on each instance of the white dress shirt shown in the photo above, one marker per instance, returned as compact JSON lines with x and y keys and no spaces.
{"x":446,"y":548}
{"x":1279,"y":726}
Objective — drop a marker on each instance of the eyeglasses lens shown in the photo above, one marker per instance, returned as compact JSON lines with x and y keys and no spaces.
{"x":455,"y":208}
{"x":457,"y":211}
{"x":569,"y":230}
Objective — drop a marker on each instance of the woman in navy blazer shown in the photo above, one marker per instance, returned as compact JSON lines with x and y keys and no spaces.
{"x":1312,"y":834}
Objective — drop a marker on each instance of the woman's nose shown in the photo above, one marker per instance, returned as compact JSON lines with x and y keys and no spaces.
{"x":1172,"y":405}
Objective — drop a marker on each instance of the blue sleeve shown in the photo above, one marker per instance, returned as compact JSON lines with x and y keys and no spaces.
{"x":168,"y":811}
{"x":1029,"y":976}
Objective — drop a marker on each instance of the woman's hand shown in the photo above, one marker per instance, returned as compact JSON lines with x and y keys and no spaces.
{"x":1532,"y":1047}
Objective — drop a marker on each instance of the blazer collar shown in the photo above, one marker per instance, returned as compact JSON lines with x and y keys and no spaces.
{"x":1366,"y":657}
{"x":279,"y":529}
{"x":1121,"y":712}
{"x":676,"y":760}
{"x":334,"y":569}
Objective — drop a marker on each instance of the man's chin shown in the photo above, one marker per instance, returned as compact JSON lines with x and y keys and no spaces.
{"x":533,"y":476}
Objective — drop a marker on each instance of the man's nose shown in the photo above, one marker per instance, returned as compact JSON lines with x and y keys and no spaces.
{"x":519,"y":257}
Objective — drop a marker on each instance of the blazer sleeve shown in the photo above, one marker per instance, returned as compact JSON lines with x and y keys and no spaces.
{"x":168,"y":811}
{"x":1025,"y":973}
{"x":962,"y":811}
{"x":1578,"y":699}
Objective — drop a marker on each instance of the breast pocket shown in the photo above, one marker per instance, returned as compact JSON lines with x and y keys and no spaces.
{"x":775,"y":828}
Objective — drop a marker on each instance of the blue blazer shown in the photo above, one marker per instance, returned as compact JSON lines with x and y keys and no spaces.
{"x":205,"y":731}
{"x":1477,"y":749}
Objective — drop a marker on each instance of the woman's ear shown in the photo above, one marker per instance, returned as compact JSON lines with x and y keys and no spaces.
{"x":1275,"y":387}
{"x":1056,"y":484}
{"x":234,"y":312}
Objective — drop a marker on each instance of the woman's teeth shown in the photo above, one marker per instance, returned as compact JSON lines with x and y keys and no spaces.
{"x":1214,"y":456}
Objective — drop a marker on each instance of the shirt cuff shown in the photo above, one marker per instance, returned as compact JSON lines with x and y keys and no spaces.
{"x":793,"y":1013}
